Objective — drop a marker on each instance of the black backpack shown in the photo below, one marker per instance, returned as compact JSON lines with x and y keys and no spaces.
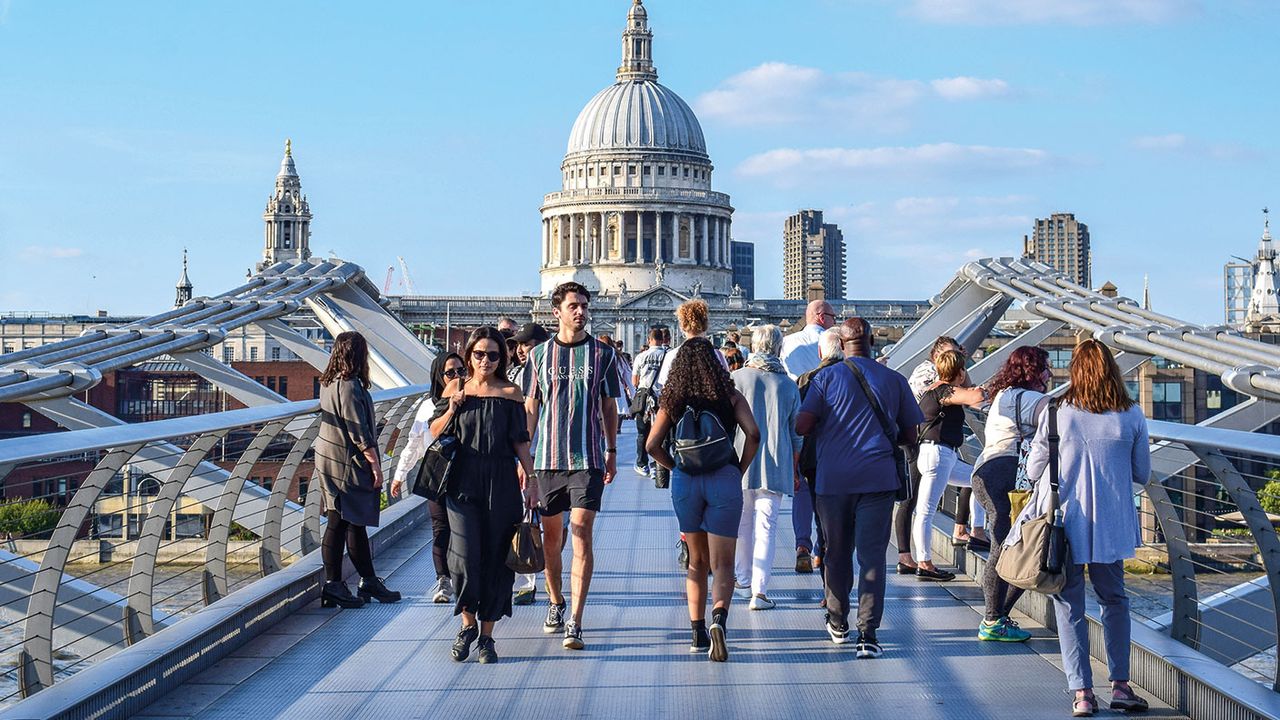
{"x":701,"y":443}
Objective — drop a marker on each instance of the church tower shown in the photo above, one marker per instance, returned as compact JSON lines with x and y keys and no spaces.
{"x":184,"y":287}
{"x":1264,"y":304}
{"x":288,"y":217}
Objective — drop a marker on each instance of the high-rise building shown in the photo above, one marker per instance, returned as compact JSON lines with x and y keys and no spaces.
{"x":288,"y":217}
{"x":1237,"y":283}
{"x":1062,"y":243}
{"x":812,"y":252}
{"x":744,"y":267}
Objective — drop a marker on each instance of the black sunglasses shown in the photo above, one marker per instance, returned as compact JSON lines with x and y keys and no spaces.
{"x":493,"y":355}
{"x":455,"y":373}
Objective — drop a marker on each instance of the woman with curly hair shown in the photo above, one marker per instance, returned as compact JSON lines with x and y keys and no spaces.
{"x":708,"y":505}
{"x":1018,"y":395}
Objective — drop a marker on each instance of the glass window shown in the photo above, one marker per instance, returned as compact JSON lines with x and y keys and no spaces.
{"x":228,"y":353}
{"x":1060,"y":358}
{"x":26,"y":420}
{"x":253,"y":354}
{"x":275,"y":353}
{"x":282,"y":385}
{"x":1166,"y":401}
{"x":1131,"y":387}
{"x":111,"y":526}
{"x":662,"y":169}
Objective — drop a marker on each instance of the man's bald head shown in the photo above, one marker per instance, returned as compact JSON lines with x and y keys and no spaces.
{"x":819,"y":313}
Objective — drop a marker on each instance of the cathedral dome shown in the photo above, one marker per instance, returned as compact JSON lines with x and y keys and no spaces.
{"x":637,"y":115}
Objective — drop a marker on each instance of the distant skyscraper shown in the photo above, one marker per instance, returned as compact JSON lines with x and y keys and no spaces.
{"x":1237,"y":282}
{"x":744,"y":267}
{"x":1062,"y":243}
{"x":288,"y":217}
{"x":812,"y":252}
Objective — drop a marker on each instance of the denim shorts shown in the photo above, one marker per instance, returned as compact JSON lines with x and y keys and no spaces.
{"x":708,"y":503}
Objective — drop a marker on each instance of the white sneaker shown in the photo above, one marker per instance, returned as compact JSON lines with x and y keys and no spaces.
{"x":444,"y":591}
{"x":641,"y":470}
{"x":742,"y":590}
{"x":760,"y":602}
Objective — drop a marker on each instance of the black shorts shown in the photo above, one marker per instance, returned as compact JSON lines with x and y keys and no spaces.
{"x":565,"y":489}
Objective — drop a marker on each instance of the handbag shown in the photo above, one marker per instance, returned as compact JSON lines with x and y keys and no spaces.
{"x":525,"y":556}
{"x":432,"y":482}
{"x":1021,"y":493}
{"x":890,"y":431}
{"x":1039,"y":560}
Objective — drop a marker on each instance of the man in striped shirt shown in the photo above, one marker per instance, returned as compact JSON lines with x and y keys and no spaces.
{"x":571,"y":382}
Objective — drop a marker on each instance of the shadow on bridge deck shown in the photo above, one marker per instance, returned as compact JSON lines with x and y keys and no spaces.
{"x":392,"y":661}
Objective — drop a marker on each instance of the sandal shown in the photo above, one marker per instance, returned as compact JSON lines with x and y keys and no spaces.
{"x":1126,"y":701}
{"x":1084,"y":707}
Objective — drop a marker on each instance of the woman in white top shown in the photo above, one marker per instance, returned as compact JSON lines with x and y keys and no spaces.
{"x":694,"y":318}
{"x":1018,"y":391}
{"x":446,"y":368}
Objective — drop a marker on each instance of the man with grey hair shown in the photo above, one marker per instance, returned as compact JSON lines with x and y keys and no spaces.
{"x":507,"y":326}
{"x":800,"y":355}
{"x":831,"y":349}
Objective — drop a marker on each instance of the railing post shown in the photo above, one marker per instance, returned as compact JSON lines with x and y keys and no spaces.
{"x":35,"y":661}
{"x":1264,"y":534}
{"x":214,"y":586}
{"x":138,"y":620}
{"x":269,"y":551}
{"x":1185,"y":627}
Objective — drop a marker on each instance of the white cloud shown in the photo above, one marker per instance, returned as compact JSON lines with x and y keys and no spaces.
{"x":1044,"y":12}
{"x":970,"y":88}
{"x":1180,"y":143}
{"x":777,"y":93}
{"x":50,"y":252}
{"x":938,"y":158}
{"x":1171,"y":141}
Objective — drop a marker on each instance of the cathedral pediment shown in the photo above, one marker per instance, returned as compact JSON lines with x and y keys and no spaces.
{"x":661,"y":297}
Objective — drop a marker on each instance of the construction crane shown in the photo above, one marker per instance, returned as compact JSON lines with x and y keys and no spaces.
{"x":386,"y":284}
{"x":404,"y":271}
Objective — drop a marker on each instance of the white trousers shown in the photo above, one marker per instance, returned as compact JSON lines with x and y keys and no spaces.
{"x":938,"y":467}
{"x":753,"y":559}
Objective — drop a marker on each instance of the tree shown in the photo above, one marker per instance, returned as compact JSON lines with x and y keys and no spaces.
{"x":25,"y":518}
{"x":1269,"y":495}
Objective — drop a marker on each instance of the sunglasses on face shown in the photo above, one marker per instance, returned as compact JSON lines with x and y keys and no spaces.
{"x":455,"y":373}
{"x":492,"y":355}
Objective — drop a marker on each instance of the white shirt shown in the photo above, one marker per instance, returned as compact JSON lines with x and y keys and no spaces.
{"x":671,"y":358}
{"x":800,"y":350}
{"x":922,"y":377}
{"x":419,"y":439}
{"x":1009,"y":408}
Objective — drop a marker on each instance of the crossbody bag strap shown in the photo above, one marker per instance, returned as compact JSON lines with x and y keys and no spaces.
{"x":1017,"y":416}
{"x":1053,"y":448}
{"x":885,"y":425}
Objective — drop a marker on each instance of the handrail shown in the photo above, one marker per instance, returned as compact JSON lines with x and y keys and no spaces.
{"x":49,"y":445}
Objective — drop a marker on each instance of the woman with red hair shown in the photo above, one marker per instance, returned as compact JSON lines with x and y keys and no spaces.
{"x":1018,"y":395}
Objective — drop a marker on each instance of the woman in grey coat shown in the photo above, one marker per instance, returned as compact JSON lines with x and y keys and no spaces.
{"x":1103,"y":451}
{"x":774,"y":400}
{"x":349,"y":467}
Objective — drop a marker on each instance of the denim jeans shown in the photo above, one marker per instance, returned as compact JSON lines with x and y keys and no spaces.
{"x":1073,"y":629}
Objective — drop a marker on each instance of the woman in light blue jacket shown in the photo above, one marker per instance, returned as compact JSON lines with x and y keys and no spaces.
{"x":774,"y":400}
{"x":1102,"y":453}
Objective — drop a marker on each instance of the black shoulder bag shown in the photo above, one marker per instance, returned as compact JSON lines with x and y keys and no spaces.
{"x":890,"y":431}
{"x":437,"y":463}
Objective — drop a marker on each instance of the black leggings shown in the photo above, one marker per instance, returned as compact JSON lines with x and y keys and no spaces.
{"x":902,"y":516}
{"x":991,"y":484}
{"x":357,"y":541}
{"x":439,"y":537}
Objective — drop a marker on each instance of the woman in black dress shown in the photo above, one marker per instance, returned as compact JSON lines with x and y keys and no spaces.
{"x":349,"y":466}
{"x":486,"y":414}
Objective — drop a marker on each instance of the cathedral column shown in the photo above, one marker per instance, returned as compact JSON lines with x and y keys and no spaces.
{"x":715,"y":223}
{"x":728,"y":244}
{"x":706,"y":238}
{"x":562,"y":242}
{"x":544,"y":242}
{"x":640,"y":237}
{"x":575,"y":247}
{"x":657,"y":235}
{"x":697,"y":244}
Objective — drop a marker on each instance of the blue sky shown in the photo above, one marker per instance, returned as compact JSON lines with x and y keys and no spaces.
{"x":932,"y":131}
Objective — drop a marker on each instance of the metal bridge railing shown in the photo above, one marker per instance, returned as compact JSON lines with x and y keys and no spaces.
{"x":101,"y":544}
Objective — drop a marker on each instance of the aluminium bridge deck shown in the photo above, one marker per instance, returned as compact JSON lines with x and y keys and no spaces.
{"x":391,"y":661}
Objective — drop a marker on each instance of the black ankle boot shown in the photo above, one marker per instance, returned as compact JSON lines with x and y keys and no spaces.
{"x":335,"y":593}
{"x":373,"y":588}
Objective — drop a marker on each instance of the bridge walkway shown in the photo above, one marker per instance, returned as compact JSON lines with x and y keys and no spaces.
{"x":392,"y":661}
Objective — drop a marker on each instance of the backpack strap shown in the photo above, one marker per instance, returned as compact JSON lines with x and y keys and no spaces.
{"x":1053,"y":450}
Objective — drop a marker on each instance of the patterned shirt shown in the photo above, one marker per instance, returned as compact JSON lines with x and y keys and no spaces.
{"x":569,"y":381}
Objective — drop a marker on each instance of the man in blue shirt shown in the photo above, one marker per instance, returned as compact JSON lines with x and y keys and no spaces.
{"x":857,"y":481}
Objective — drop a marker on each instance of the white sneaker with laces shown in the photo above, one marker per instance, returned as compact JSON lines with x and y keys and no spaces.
{"x":760,"y":602}
{"x":444,"y":591}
